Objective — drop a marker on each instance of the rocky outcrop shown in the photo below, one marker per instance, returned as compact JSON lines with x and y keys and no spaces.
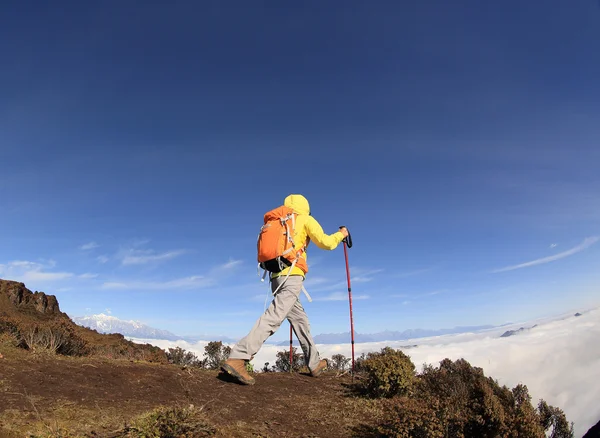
{"x":22,"y":298}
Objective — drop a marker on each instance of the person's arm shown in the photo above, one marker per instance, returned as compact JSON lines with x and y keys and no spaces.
{"x":322,"y":240}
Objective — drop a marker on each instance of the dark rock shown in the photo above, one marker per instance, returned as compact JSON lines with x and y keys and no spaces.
{"x":21,"y":297}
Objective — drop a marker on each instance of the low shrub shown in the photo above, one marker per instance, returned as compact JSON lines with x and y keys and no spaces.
{"x":215,"y":354}
{"x":458,"y":400}
{"x":387,"y":373}
{"x":179,"y":356}
{"x":130,"y":351}
{"x":282,"y":361}
{"x":170,"y":423}
{"x":9,"y":330}
{"x":57,"y":337}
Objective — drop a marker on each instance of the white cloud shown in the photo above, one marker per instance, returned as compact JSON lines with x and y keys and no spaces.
{"x":142,"y":257}
{"x":363,"y":272}
{"x":558,"y":360}
{"x":88,"y":276}
{"x":435,"y":292}
{"x":589,"y":241}
{"x":102,"y":259}
{"x":341,"y":296}
{"x":44,"y":276}
{"x":22,"y":264}
{"x":553,"y":245}
{"x":229,"y":265}
{"x":412,"y":273}
{"x":89,"y":246}
{"x":261,"y":297}
{"x":357,"y":275}
{"x":420,"y":294}
{"x":193,"y":282}
{"x":26,"y":271}
{"x":314,"y":281}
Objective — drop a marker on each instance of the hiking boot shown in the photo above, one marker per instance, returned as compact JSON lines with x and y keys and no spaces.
{"x":319,"y":369}
{"x":237,"y":368}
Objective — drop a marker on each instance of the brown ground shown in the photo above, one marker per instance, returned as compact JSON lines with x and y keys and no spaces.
{"x":113,"y":382}
{"x":41,"y":393}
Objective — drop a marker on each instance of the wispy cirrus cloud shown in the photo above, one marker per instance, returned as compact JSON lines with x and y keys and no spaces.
{"x":229,"y":265}
{"x":589,"y":241}
{"x":261,"y":297}
{"x":412,"y":273}
{"x":89,"y":246}
{"x":357,"y":275}
{"x":26,"y":271}
{"x":102,"y":259}
{"x":340,"y":296}
{"x":45,"y":276}
{"x":420,"y":294}
{"x":399,"y":296}
{"x":142,"y":257}
{"x":315,"y":281}
{"x":363,"y":272}
{"x":193,"y":282}
{"x":136,"y":254}
{"x":88,"y":276}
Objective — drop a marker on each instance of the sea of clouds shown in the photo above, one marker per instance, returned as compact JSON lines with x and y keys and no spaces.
{"x":558,"y":359}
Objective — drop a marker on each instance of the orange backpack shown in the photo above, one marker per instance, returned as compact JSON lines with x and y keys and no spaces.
{"x":276,"y":248}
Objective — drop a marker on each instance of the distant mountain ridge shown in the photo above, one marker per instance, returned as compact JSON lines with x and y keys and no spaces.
{"x":110,"y":324}
{"x":508,"y":333}
{"x":388,"y":335}
{"x":134,"y":329}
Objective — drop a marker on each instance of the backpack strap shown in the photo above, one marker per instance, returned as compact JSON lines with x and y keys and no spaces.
{"x":307,"y":295}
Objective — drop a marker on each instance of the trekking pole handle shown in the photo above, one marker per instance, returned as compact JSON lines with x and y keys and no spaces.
{"x":347,"y":239}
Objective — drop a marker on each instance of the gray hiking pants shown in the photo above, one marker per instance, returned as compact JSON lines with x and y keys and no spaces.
{"x":284,"y":305}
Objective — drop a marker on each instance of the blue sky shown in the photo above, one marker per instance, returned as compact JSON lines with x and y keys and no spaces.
{"x":140,"y":147}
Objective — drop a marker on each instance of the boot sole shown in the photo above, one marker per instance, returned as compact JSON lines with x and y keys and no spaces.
{"x":231,"y":371}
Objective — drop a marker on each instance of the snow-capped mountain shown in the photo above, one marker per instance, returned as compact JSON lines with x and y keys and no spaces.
{"x":110,"y":324}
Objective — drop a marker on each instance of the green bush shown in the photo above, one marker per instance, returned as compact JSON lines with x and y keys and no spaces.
{"x":387,"y":373}
{"x":179,"y":356}
{"x":339,"y":362}
{"x":282,"y":363}
{"x":215,"y":354}
{"x":458,"y":400}
{"x":410,"y":417}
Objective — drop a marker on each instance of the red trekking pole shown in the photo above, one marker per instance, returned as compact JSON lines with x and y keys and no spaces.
{"x":291,"y":355}
{"x":348,"y":244}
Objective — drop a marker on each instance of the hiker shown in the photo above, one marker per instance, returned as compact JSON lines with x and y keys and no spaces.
{"x":286,"y":286}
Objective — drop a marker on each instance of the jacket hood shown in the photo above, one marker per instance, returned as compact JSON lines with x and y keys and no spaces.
{"x":298,"y":203}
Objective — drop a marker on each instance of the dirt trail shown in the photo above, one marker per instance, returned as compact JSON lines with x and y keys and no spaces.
{"x":86,"y":394}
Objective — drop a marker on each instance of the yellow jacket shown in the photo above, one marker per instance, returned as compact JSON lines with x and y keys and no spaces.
{"x":308,"y":227}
